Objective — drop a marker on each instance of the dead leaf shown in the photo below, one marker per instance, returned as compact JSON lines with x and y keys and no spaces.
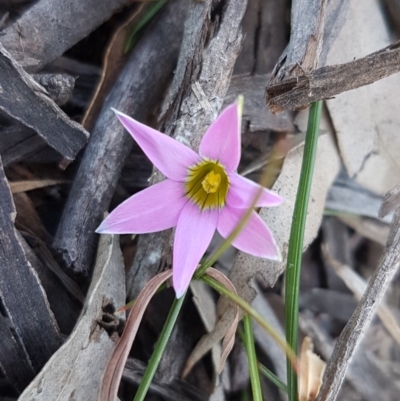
{"x":207,"y":308}
{"x":115,"y":367}
{"x":205,"y":344}
{"x":312,"y":369}
{"x":367,"y":120}
{"x":76,"y":369}
{"x":25,"y":186}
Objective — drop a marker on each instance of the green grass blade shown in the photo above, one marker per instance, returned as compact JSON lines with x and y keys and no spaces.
{"x":154,"y":8}
{"x":252,"y":359}
{"x":292,"y":282}
{"x":272,"y":377}
{"x":159,"y":349}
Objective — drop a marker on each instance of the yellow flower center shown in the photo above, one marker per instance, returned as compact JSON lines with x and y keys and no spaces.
{"x":211,"y":182}
{"x":207,"y":184}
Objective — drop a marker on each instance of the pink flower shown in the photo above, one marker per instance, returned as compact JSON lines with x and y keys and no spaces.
{"x":202,"y":193}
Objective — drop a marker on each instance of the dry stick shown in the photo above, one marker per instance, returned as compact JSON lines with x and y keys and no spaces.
{"x":50,"y":27}
{"x":329,"y":81}
{"x":136,"y":92}
{"x":302,"y":53}
{"x":353,"y":333}
{"x":22,"y":98}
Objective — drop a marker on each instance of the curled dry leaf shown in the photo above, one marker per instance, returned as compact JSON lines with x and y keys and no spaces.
{"x":115,"y":367}
{"x":367,"y":120}
{"x":76,"y":369}
{"x":204,"y":345}
{"x":312,"y":368}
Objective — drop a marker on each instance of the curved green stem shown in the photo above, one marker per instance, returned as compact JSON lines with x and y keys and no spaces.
{"x":159,"y":349}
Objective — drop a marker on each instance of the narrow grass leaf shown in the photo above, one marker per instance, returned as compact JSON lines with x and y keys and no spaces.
{"x":252,"y":359}
{"x":292,"y":283}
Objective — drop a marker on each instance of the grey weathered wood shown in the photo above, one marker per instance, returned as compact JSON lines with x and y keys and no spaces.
{"x":58,"y":86}
{"x":329,"y":81}
{"x":137,"y":92}
{"x":347,"y":196}
{"x":354,"y":331}
{"x":14,"y":362}
{"x":75,"y":371}
{"x":256,"y":116}
{"x":18,"y":142}
{"x":366,"y":373}
{"x":50,"y":27}
{"x":390,"y":201}
{"x":22,"y":98}
{"x":265,"y":27}
{"x":304,"y":48}
{"x":66,"y":305}
{"x":22,"y":295}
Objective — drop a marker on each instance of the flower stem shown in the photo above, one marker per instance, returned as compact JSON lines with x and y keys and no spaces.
{"x":295,"y":250}
{"x":245,"y":306}
{"x":159,"y":349}
{"x":252,"y":359}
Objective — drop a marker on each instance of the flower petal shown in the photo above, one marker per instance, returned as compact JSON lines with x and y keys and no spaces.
{"x":171,"y":157}
{"x":221,"y":142}
{"x":193,"y":235}
{"x":154,"y":209}
{"x":242,"y":192}
{"x":255,"y":239}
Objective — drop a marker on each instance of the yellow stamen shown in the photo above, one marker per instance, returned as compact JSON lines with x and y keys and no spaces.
{"x":211,"y":182}
{"x":207,"y":184}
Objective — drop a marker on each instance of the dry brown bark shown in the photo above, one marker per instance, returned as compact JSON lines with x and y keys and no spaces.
{"x":327,"y":82}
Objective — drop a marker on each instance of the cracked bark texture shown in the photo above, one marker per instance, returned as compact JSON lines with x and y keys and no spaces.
{"x":302,"y":53}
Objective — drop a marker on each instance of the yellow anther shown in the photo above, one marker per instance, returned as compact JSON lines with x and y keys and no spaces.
{"x":211,"y":182}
